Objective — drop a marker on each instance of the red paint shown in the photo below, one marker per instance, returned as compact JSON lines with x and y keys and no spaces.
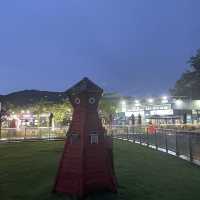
{"x":86,"y":167}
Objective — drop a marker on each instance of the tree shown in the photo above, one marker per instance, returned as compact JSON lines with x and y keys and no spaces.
{"x":3,"y":115}
{"x":195,"y":61}
{"x":189,"y":83}
{"x":107,"y":108}
{"x":61,"y":110}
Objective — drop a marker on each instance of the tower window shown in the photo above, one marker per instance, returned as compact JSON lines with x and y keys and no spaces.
{"x":91,"y":100}
{"x":74,"y":138}
{"x":77,"y":101}
{"x":94,"y":138}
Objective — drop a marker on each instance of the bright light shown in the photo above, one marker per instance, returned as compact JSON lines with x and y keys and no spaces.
{"x":123,"y":103}
{"x":178,"y":102}
{"x":164,"y":97}
{"x":28,"y":111}
{"x":150,"y":100}
{"x":137,"y":101}
{"x":22,"y":111}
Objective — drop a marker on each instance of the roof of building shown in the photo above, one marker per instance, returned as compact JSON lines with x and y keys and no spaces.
{"x":85,"y":85}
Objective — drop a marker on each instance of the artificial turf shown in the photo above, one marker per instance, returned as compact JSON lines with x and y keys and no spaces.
{"x":27,"y":172}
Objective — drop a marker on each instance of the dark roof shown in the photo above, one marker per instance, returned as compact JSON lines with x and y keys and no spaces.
{"x":84,"y":85}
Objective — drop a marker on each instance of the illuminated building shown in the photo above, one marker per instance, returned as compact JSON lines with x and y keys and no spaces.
{"x":160,"y":110}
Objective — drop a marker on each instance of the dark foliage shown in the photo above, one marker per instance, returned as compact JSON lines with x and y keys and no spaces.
{"x":3,"y":114}
{"x":31,"y":97}
{"x":189,"y":83}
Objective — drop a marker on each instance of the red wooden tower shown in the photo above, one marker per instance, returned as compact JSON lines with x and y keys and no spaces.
{"x":87,"y":162}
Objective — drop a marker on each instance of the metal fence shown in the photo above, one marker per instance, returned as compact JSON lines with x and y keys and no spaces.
{"x":32,"y":133}
{"x":183,"y":144}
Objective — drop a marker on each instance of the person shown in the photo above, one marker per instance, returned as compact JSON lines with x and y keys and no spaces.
{"x":51,"y":120}
{"x":133,"y":123}
{"x":110,"y":120}
{"x":139,"y":120}
{"x":151,"y":128}
{"x":132,"y":119}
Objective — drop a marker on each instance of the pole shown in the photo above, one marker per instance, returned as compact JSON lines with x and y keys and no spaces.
{"x":133,"y":134}
{"x":156,"y":140}
{"x":147,"y":139}
{"x":127,"y":133}
{"x":25,"y":133}
{"x":166,"y":142}
{"x":177,"y":147}
{"x":49,"y":133}
{"x":190,"y":147}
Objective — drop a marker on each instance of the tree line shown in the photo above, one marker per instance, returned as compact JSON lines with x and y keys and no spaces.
{"x":189,"y":83}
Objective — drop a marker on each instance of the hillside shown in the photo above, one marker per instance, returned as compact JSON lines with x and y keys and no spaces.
{"x":29,"y":97}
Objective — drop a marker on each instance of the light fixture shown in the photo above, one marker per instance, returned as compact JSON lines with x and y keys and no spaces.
{"x":164,"y":99}
{"x":123,"y":103}
{"x":178,"y":102}
{"x":150,"y":100}
{"x":137,"y":101}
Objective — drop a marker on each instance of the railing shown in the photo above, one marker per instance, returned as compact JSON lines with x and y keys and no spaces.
{"x":183,"y":144}
{"x":32,"y":133}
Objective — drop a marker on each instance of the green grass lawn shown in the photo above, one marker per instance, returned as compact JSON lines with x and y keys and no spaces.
{"x":27,"y":171}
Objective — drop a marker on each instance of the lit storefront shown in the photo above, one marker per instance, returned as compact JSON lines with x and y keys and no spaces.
{"x":160,"y":110}
{"x":27,"y":119}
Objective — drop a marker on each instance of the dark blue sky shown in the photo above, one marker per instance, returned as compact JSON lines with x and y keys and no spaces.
{"x":136,"y":47}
